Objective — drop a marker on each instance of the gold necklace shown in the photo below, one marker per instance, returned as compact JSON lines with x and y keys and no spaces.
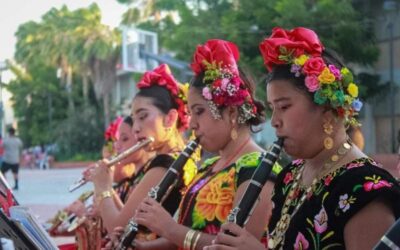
{"x":278,"y":234}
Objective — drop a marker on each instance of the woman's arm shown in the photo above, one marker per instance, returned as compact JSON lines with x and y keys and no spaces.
{"x":366,"y":227}
{"x":113,"y":216}
{"x":258,"y":221}
{"x":159,"y":243}
{"x":152,"y":215}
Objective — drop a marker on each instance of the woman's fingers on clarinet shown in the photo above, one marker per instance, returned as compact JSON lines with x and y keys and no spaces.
{"x":231,"y":228}
{"x":150,"y":201}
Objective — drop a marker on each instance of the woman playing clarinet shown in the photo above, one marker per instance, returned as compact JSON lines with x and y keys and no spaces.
{"x":223,"y":111}
{"x":158,"y":111}
{"x":332,"y":196}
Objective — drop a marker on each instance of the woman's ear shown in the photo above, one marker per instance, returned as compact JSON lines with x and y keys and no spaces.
{"x":233,"y":113}
{"x":171,"y":118}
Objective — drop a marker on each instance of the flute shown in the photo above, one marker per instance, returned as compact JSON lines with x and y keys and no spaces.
{"x":114,"y":160}
{"x":159,"y":192}
{"x":242,"y":212}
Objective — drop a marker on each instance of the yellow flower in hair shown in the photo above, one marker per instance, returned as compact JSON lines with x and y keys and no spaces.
{"x":301,"y":60}
{"x":352,"y":89}
{"x":184,"y":89}
{"x":345,"y":71}
{"x":326,"y":76}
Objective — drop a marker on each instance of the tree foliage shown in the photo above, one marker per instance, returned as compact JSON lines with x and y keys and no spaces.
{"x":340,"y":26}
{"x":83,"y":51}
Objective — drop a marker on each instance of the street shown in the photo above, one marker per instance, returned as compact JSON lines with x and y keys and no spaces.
{"x":46,"y":191}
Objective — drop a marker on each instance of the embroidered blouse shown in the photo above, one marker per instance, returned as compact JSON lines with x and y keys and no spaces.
{"x":209,"y":199}
{"x":321,"y":219}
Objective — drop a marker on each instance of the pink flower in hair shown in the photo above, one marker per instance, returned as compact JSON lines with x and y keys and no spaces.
{"x":335,"y":71}
{"x":207,"y":94}
{"x":312,"y":83}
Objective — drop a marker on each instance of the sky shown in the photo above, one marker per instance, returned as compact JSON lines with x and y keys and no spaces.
{"x":16,"y":12}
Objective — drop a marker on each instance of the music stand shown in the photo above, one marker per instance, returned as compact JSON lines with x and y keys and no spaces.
{"x":11,"y":230}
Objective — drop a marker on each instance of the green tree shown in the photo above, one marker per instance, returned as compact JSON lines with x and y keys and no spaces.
{"x":340,"y":26}
{"x":77,"y":43}
{"x":84,"y":51}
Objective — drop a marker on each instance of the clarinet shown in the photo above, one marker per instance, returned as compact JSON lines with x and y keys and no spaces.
{"x":241,"y":213}
{"x":391,"y":239}
{"x":159,"y":192}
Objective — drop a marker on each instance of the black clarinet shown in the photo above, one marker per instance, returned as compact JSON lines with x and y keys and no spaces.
{"x":240,"y":214}
{"x":159,"y":192}
{"x":391,"y":239}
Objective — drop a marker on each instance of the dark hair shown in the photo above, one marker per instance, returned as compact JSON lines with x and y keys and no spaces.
{"x":197,"y":82}
{"x":11,"y":131}
{"x":128,"y":120}
{"x":161,"y":98}
{"x":282,"y":72}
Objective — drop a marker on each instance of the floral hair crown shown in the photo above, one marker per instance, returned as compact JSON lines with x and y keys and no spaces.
{"x":224,"y":87}
{"x":111,"y":133}
{"x":163,"y":77}
{"x":302,"y":50}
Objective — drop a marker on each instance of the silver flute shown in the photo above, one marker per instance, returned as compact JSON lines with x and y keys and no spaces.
{"x":82,"y":181}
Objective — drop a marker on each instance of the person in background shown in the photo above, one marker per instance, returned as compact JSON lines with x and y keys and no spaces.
{"x":356,"y":136}
{"x":12,"y":154}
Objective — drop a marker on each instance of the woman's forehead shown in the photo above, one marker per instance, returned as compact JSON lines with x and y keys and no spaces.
{"x":140,"y":103}
{"x":279,"y":89}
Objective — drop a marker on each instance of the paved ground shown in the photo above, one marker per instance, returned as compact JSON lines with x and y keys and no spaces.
{"x":46,"y":191}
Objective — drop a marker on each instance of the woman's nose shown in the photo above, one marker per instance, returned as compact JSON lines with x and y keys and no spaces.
{"x":275,"y":121}
{"x":135,"y":128}
{"x":193,"y":124}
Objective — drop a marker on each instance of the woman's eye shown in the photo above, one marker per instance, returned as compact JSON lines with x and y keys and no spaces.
{"x":199,"y":111}
{"x":284,"y":107}
{"x":142,"y":117}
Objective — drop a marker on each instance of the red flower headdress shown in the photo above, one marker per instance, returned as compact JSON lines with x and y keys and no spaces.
{"x":302,"y":50}
{"x":111,"y":134}
{"x":224,"y":87}
{"x":163,"y":77}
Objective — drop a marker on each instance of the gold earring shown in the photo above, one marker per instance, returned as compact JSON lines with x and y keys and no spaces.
{"x":328,"y":129}
{"x":234,"y":134}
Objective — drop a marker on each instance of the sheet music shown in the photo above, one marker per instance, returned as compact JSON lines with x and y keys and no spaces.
{"x":11,"y":230}
{"x":32,"y":227}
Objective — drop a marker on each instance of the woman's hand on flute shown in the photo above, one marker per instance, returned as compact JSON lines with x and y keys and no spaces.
{"x":243,"y":240}
{"x":88,"y":172}
{"x":102,"y":177}
{"x":153,"y":216}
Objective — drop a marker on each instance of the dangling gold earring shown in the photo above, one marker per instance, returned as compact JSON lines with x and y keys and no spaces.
{"x":234,"y":134}
{"x":328,"y":129}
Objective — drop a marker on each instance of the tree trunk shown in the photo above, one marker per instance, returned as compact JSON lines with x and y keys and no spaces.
{"x":85,"y":88}
{"x":106,"y":108}
{"x":71,"y":105}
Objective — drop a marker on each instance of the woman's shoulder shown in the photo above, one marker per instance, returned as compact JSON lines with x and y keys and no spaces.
{"x":208,"y":162}
{"x":358,"y":183}
{"x":162,"y":160}
{"x":248,"y":160}
{"x":362,"y":170}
